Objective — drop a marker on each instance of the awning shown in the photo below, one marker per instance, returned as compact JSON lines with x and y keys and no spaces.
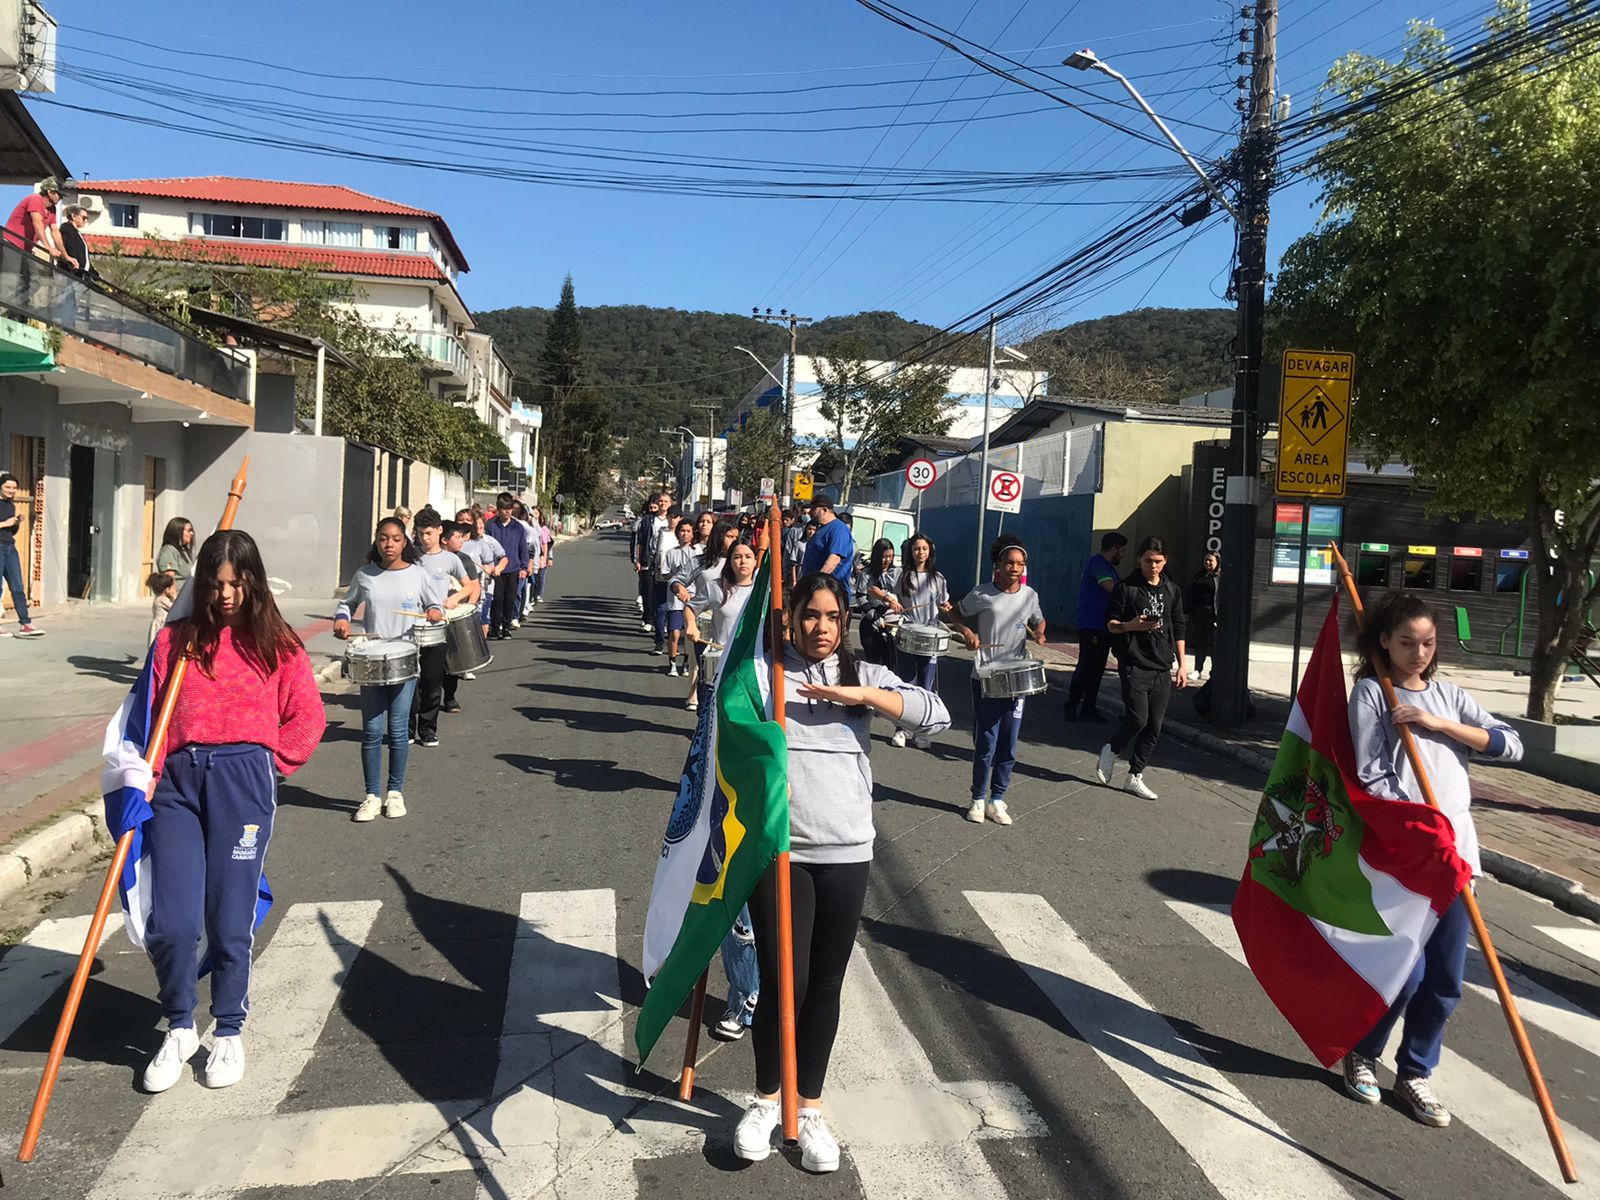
{"x":26,"y":155}
{"x":24,"y":349}
{"x":270,"y":337}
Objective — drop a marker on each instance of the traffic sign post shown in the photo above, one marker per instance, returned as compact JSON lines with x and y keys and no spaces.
{"x":1005,"y":492}
{"x":920,"y":474}
{"x":803,"y":485}
{"x":769,"y":488}
{"x":1314,"y":422}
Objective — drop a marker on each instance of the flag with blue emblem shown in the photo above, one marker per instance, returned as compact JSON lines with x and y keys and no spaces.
{"x":730,"y":821}
{"x":126,"y":784}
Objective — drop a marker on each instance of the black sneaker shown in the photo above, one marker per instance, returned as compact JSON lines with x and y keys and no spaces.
{"x":451,"y":708}
{"x":428,"y":739}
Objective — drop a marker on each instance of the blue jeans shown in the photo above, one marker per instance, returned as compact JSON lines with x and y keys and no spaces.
{"x":538,"y":583}
{"x":1427,"y":999}
{"x":11,"y":572}
{"x":995,"y":724}
{"x":920,"y":670}
{"x":386,"y":717}
{"x":740,"y":965}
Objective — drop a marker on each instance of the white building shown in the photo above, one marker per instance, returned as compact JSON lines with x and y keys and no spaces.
{"x":1013,"y":389}
{"x":703,"y":457}
{"x":403,"y":261}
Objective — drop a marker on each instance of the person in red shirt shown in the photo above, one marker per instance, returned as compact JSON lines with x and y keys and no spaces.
{"x":249,"y":710}
{"x":33,"y":221}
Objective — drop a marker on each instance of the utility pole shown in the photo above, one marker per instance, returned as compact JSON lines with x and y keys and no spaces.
{"x":983,"y":469}
{"x":1257,"y":162}
{"x":712,"y":411}
{"x":794,"y":321}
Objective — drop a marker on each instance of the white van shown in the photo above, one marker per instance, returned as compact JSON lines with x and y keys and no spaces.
{"x":869,"y":522}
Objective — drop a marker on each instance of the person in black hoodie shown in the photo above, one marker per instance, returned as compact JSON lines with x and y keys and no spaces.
{"x":1202,"y":612}
{"x":1145,"y":616}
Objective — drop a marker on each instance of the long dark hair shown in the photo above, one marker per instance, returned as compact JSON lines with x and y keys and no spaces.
{"x":907,"y":570}
{"x":174,"y":534}
{"x":726,"y":577}
{"x":719,"y":533}
{"x":875,"y":562}
{"x":809,"y":586}
{"x":408,"y":552}
{"x":1392,"y":610}
{"x":260,"y":634}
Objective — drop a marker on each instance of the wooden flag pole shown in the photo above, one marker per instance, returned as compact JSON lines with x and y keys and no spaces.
{"x":108,"y":891}
{"x":691,"y":1044}
{"x":789,"y":1063}
{"x":1508,"y":1004}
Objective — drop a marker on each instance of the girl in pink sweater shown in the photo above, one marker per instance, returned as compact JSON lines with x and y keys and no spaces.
{"x":249,"y":709}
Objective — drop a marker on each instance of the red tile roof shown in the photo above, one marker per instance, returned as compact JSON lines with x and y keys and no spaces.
{"x":271,"y":193}
{"x":387,"y":263}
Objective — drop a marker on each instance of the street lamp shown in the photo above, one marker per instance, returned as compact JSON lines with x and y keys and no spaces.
{"x":1086,"y":60}
{"x":762,"y":365}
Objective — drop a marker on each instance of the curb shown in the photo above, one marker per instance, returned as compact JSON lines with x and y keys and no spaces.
{"x":25,"y":861}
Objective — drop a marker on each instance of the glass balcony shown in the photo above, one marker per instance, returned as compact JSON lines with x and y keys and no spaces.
{"x":446,"y":352}
{"x":31,"y":287}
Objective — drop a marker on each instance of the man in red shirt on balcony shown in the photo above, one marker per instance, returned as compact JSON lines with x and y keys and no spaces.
{"x":32,"y":226}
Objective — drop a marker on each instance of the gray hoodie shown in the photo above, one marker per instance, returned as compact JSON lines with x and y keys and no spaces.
{"x":830,"y":775}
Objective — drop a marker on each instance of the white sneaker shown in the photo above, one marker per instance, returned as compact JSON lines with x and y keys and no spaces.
{"x":369,"y":809}
{"x":672,"y":670}
{"x":818,"y":1150}
{"x":1106,"y":764}
{"x":1421,"y":1103}
{"x":899,"y":738}
{"x":225,"y":1064}
{"x":975,"y":812}
{"x":692,"y":703}
{"x":1138,"y":786}
{"x":516,"y":624}
{"x":166,"y":1068}
{"x":646,"y":627}
{"x":752,"y":1137}
{"x":728,"y":1028}
{"x":394,"y":805}
{"x":469,"y":675}
{"x":922,"y":742}
{"x":996,"y":812}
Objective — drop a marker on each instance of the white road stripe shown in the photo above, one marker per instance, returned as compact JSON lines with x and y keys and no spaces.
{"x":1241,"y":1150}
{"x":1505,"y":1116}
{"x":42,"y":962}
{"x":196,"y":1143}
{"x":1585,"y":941}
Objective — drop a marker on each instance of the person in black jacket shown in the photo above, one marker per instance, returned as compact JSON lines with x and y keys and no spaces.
{"x":1146,"y":617}
{"x":72,"y":241}
{"x":1201,"y":604}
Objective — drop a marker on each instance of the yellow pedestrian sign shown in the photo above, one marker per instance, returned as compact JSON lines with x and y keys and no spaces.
{"x":1314,"y":422}
{"x":802,"y":486}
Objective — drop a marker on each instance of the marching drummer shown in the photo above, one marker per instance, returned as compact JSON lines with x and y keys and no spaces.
{"x":996,"y":619}
{"x":450,"y":577}
{"x":389,"y":585}
{"x":922,"y":597}
{"x":454,"y":539}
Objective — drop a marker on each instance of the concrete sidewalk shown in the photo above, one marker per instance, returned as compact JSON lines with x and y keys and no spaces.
{"x":1537,"y":833}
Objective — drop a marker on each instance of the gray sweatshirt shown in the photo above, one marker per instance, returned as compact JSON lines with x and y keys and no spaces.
{"x":1385,"y":770}
{"x":830,"y":775}
{"x":381,"y":592}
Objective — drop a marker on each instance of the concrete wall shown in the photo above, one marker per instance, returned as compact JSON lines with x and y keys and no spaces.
{"x":292,"y":503}
{"x":1142,"y":492}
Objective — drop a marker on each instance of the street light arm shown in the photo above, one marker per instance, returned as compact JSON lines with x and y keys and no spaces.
{"x":1216,"y":193}
{"x":762,"y":365}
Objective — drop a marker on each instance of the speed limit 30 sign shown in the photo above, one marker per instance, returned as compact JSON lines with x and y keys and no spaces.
{"x":920,"y":473}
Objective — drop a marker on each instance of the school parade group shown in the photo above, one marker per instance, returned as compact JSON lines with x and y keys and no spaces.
{"x":862,"y":636}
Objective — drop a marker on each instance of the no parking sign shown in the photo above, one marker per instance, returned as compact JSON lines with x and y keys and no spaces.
{"x":1005,"y":492}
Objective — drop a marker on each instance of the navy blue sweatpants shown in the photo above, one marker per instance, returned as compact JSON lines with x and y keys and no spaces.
{"x":211,"y":820}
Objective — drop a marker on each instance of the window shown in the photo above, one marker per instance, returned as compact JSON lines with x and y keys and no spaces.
{"x":332,"y":233}
{"x":897,"y":532}
{"x":123,"y":216}
{"x":1466,"y":572}
{"x":1508,"y":574}
{"x":268,"y":229}
{"x":396,"y":237}
{"x":1372,"y":568}
{"x":1420,"y":572}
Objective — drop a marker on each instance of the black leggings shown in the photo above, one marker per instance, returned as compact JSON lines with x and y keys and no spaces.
{"x":826,"y":900}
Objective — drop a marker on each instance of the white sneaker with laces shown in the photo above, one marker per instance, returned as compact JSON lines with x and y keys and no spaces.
{"x":819,"y":1152}
{"x":922,"y":742}
{"x":166,"y":1068}
{"x":1421,"y":1103}
{"x":1138,"y":786}
{"x":728,"y":1028}
{"x":1106,"y":763}
{"x":225,"y":1064}
{"x":394,"y":805}
{"x":899,"y":738}
{"x":646,"y":627}
{"x":996,"y":812}
{"x":975,"y":812}
{"x":369,"y":808}
{"x":1360,"y":1080}
{"x":752,"y":1137}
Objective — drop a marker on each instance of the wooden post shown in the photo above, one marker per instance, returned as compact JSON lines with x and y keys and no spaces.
{"x":789,"y":1088}
{"x":108,"y":891}
{"x":1508,"y":1004}
{"x":691,"y":1045}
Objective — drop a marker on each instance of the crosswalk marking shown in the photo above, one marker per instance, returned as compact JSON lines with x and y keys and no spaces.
{"x":196,"y":1143}
{"x":1583,"y":939}
{"x":43,"y":961}
{"x":1501,"y":1114}
{"x":1241,"y":1150}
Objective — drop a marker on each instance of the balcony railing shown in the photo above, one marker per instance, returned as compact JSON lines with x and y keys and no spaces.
{"x":34,"y":288}
{"x":446,"y":351}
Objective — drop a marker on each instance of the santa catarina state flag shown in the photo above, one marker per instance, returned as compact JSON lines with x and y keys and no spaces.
{"x":729,"y":822}
{"x":1341,"y":890}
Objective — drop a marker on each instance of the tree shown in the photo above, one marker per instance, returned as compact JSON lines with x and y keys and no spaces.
{"x":755,"y":450}
{"x":869,"y":407}
{"x":577,"y":417}
{"x":1459,"y":257}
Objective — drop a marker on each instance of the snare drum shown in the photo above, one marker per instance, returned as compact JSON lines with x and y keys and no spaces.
{"x":466,"y":649}
{"x":710,"y":660}
{"x":374,"y":662}
{"x":427,"y":633}
{"x":1011,"y":678}
{"x":922,"y":639}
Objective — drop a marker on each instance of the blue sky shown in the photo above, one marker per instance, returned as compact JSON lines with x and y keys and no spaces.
{"x":933,"y":261}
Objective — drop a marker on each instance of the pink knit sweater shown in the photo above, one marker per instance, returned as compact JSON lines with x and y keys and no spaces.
{"x":240,"y":702}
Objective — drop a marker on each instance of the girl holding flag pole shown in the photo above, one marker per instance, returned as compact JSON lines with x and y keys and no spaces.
{"x":250,"y":709}
{"x":1448,"y":725}
{"x":830,"y":700}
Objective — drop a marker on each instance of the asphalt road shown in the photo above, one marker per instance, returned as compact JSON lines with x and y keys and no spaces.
{"x":443,"y":1005}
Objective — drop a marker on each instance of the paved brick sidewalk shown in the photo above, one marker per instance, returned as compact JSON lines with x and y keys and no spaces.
{"x":1539,"y":821}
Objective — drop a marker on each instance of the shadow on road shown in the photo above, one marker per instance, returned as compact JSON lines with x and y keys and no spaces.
{"x":588,"y":774}
{"x":123,"y":671}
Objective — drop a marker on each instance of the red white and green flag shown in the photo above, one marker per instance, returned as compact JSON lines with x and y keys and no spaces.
{"x":1342,"y":889}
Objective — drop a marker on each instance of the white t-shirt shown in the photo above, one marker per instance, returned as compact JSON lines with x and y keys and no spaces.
{"x":1002,"y":620}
